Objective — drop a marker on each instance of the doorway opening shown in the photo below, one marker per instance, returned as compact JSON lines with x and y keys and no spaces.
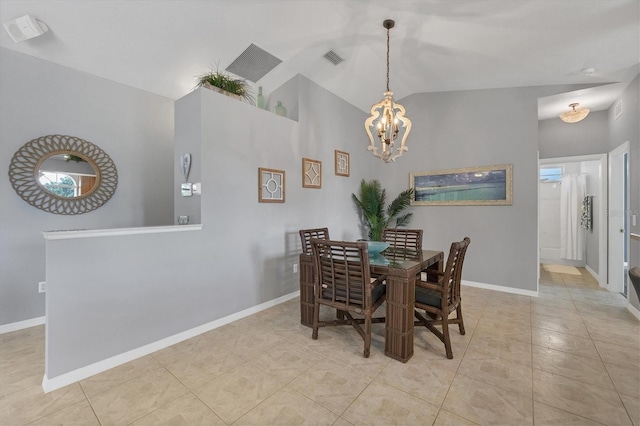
{"x":572,"y":224}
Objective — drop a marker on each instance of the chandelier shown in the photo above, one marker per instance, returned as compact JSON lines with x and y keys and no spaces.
{"x":574,"y":115}
{"x":387,"y":120}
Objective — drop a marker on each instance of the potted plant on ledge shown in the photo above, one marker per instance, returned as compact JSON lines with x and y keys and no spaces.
{"x":371,"y":206}
{"x":225,"y":84}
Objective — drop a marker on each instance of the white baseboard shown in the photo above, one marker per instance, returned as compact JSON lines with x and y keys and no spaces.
{"x":51,"y":384}
{"x":15,"y":326}
{"x":593,"y":274}
{"x":634,"y":311}
{"x":500,"y":288}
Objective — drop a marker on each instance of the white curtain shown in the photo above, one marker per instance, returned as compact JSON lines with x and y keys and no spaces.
{"x":572,"y":191}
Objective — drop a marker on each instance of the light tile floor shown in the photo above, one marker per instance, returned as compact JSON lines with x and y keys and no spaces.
{"x":570,"y":356}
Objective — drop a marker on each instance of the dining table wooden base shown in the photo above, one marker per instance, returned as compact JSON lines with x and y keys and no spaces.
{"x":401,"y":269}
{"x":401,"y":272}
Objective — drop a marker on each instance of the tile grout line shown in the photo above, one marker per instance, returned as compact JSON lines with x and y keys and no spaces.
{"x":90,"y":404}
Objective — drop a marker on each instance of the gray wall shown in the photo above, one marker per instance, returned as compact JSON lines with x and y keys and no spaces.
{"x":244,"y":254}
{"x":477,"y":128}
{"x":559,"y":139}
{"x":187,"y":141}
{"x":134,"y":127}
{"x":627,"y":128}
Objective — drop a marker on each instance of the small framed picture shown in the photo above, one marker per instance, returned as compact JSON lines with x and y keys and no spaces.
{"x":342,"y":163}
{"x":311,"y":173}
{"x":270,"y":185}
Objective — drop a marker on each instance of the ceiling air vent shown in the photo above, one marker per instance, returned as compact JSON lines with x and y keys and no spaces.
{"x":333,"y":57}
{"x":253,"y":64}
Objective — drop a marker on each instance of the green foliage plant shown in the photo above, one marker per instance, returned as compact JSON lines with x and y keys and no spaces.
{"x":227,"y":83}
{"x":371,"y":206}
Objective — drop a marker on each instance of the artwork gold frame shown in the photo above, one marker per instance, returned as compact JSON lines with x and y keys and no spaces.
{"x":271,"y":185}
{"x":342,"y":166}
{"x":311,"y":173}
{"x":472,"y":186}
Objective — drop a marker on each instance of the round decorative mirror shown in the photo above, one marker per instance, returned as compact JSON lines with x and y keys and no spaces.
{"x":63,"y":174}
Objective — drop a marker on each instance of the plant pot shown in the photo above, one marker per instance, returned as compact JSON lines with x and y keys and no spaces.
{"x":224,"y":92}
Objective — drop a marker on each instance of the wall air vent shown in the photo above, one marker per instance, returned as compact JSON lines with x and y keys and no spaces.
{"x":253,"y":64}
{"x":617,"y":109}
{"x":333,"y":57}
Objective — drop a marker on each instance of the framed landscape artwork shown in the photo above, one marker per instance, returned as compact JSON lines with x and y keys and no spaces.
{"x":473,"y":186}
{"x":270,"y":185}
{"x":311,"y":173}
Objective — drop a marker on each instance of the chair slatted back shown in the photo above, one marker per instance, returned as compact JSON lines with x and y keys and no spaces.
{"x":453,"y":271}
{"x":408,"y":239}
{"x":343,"y":277}
{"x":307,"y":234}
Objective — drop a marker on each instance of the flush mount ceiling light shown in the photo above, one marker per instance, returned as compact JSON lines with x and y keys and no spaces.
{"x":387,"y":120}
{"x":574,"y":115}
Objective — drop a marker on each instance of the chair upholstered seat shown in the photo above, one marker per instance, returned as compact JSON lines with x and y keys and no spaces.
{"x":377,"y":292}
{"x":425,"y":296}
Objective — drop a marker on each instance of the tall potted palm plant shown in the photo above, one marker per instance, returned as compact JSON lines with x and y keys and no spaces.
{"x":371,"y":206}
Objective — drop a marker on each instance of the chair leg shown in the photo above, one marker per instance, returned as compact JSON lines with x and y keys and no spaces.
{"x":367,"y":335}
{"x":459,"y":315}
{"x":316,"y":319}
{"x":447,"y":340}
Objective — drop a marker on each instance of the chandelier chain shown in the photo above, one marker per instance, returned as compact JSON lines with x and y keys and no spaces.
{"x":387,"y":59}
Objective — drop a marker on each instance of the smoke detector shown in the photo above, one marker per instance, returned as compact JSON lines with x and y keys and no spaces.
{"x":25,"y":28}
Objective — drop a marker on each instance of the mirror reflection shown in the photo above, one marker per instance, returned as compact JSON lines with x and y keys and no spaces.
{"x":67,"y":175}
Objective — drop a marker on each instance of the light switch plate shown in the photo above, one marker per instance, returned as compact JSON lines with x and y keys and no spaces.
{"x":186,"y":189}
{"x":197,"y":188}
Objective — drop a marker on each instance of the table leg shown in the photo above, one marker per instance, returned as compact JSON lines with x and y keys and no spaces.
{"x":398,"y":342}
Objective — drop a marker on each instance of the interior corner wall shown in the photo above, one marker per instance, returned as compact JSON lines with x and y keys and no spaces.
{"x":134,"y":127}
{"x":627,"y":128}
{"x":188,"y":141}
{"x":558,"y":139}
{"x":248,"y":248}
{"x":478,"y":128}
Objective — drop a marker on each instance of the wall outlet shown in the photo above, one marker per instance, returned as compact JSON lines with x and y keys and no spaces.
{"x":42,"y":287}
{"x":295,"y":268}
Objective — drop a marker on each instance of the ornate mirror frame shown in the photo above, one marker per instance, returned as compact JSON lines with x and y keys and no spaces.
{"x":25,"y":164}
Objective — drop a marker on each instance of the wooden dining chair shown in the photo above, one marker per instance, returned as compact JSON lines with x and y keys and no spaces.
{"x":343,"y":282}
{"x":439,"y":298}
{"x":307,"y":273}
{"x":307,"y":234}
{"x":407,"y":239}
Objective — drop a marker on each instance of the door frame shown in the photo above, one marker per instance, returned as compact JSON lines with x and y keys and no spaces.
{"x":603,"y":233}
{"x":623,"y":148}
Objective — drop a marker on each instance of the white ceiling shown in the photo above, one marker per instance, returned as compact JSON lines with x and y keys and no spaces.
{"x":162,"y":45}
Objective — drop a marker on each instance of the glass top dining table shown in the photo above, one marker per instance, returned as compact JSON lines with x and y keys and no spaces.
{"x":400,"y":267}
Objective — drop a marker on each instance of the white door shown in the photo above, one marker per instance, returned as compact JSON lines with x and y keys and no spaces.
{"x":617,"y":214}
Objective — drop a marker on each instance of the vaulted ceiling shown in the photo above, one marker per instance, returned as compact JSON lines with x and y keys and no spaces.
{"x":440,"y":45}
